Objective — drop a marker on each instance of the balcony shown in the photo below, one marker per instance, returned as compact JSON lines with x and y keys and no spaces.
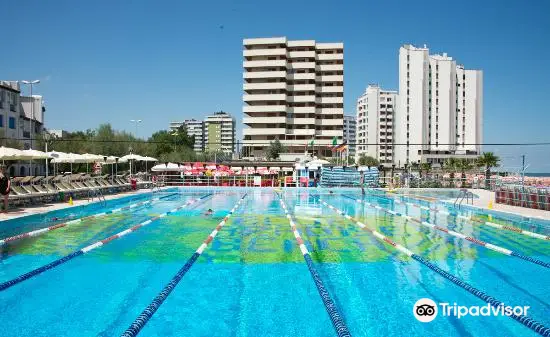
{"x":331,"y":111}
{"x":301,"y":121}
{"x":303,"y":76}
{"x":330,"y":100}
{"x":331,"y":133}
{"x":264,"y":108}
{"x":330,"y":78}
{"x":12,"y":107}
{"x":264,"y":86}
{"x":264,"y":63}
{"x":301,"y":54}
{"x":264,"y":52}
{"x":301,"y":65}
{"x":264,"y":97}
{"x":263,"y":131}
{"x":302,"y":110}
{"x":331,"y":122}
{"x":264,"y":74}
{"x":301,"y":87}
{"x":300,"y":132}
{"x":330,"y":67}
{"x":331,"y":89}
{"x":264,"y":120}
{"x":298,"y":99}
{"x":328,"y":57}
{"x":264,"y":41}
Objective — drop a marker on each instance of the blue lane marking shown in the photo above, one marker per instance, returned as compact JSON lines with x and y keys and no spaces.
{"x":335,"y":316}
{"x":21,"y":278}
{"x":526,"y":321}
{"x":144,"y":317}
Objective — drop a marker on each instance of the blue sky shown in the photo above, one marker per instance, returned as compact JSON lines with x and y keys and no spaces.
{"x":112,"y":61}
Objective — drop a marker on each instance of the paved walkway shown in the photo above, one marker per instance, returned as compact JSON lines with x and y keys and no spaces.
{"x":487,"y":196}
{"x":41,"y":208}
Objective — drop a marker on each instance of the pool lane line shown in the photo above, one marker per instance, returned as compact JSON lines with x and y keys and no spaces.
{"x":7,"y":284}
{"x":150,"y":310}
{"x":532,"y":324}
{"x":473,"y":219}
{"x":333,"y":312}
{"x":459,"y":235}
{"x":40,"y":231}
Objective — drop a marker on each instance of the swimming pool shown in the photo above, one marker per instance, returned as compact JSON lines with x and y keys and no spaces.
{"x":252,"y":279}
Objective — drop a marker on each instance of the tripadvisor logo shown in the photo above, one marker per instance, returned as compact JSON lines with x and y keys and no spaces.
{"x":425,"y":310}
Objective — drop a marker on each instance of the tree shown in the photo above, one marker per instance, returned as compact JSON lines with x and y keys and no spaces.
{"x":463,"y":165}
{"x":426,"y":167}
{"x":369,"y":161}
{"x":488,"y":160}
{"x":450,"y":166}
{"x":274,"y":149}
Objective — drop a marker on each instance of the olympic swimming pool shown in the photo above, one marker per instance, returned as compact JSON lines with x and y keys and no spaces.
{"x":252,"y":279}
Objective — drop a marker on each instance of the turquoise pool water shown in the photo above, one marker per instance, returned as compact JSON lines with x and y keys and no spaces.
{"x":252,"y":279}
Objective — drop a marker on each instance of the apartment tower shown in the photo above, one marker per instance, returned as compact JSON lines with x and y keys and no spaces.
{"x":294,"y":92}
{"x":440,"y":108}
{"x":376,"y":110}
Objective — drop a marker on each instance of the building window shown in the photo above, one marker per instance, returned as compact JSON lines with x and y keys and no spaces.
{"x":1,"y":121}
{"x":11,"y":123}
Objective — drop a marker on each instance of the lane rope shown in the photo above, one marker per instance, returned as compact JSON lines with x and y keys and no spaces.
{"x":459,"y":235}
{"x":150,"y":310}
{"x":337,"y":319}
{"x":7,"y":284}
{"x":75,"y":221}
{"x":473,"y":219}
{"x":532,"y":324}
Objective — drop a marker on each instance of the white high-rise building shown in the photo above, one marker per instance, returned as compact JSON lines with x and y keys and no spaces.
{"x":437,"y":118}
{"x":195,"y":128}
{"x":350,"y":133}
{"x":376,"y":110}
{"x":294,"y":92}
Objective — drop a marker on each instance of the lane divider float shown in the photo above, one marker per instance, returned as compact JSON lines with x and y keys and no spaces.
{"x":459,"y":235}
{"x":474,"y":219}
{"x":75,"y":221}
{"x":333,"y":312}
{"x":532,"y":324}
{"x":87,"y":249}
{"x":150,"y":310}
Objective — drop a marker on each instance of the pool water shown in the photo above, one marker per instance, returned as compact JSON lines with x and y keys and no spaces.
{"x":252,"y":279}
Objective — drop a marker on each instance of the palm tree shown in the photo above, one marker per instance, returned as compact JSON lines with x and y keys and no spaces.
{"x":450,"y":166}
{"x":488,"y":160}
{"x":426,"y":167}
{"x":463,"y":165}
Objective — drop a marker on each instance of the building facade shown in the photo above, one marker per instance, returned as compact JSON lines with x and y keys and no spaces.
{"x":294,"y":92}
{"x":350,"y":133}
{"x":220,"y":133}
{"x":195,"y":128}
{"x":376,"y":110}
{"x":440,"y":109}
{"x":21,"y":123}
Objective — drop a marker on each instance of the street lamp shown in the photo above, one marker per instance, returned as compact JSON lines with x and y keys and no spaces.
{"x":30,"y":84}
{"x":137,"y":121}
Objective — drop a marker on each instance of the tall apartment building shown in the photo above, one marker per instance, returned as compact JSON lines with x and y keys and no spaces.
{"x":350,"y":133}
{"x":21,"y":119}
{"x":376,"y":110}
{"x":219,"y":133}
{"x":294,"y":92}
{"x":195,"y":129}
{"x":440,"y":108}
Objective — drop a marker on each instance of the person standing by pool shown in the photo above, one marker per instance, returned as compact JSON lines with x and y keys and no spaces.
{"x":5,"y":186}
{"x":362,"y":182}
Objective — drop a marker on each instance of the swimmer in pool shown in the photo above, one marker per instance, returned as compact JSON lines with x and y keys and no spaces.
{"x":209,"y":212}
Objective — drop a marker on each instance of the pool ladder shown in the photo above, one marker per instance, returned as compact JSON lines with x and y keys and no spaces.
{"x":96,"y":193}
{"x":464,"y":194}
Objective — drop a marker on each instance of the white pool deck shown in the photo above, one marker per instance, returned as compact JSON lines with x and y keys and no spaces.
{"x":487,"y":196}
{"x":47,"y":207}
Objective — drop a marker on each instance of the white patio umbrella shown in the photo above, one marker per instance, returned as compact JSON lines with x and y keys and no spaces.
{"x":7,"y":153}
{"x":166,"y":167}
{"x":318,"y":162}
{"x":148,"y":159}
{"x":131,"y":157}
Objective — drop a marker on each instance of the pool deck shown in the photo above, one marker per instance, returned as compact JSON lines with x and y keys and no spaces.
{"x":19,"y":212}
{"x":487,"y":196}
